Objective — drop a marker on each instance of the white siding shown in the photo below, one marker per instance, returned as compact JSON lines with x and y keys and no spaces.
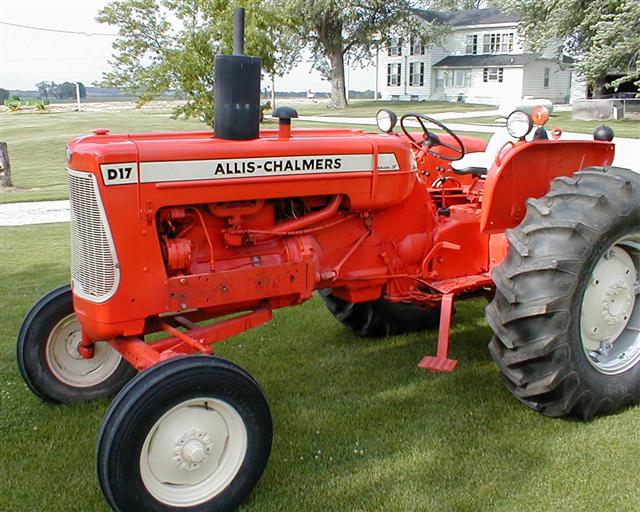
{"x":491,"y":93}
{"x":517,"y":81}
{"x":559,"y":81}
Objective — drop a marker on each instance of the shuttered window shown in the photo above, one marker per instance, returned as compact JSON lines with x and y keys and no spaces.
{"x":416,"y":74}
{"x":394,"y":73}
{"x":492,"y":74}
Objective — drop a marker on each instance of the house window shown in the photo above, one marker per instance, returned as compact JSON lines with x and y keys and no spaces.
{"x":395,"y":97}
{"x":471,"y":46}
{"x":462,"y":77}
{"x":416,"y":73}
{"x":546,"y":78}
{"x":497,"y":43}
{"x":414,"y":97}
{"x":492,"y":74}
{"x":395,"y":47}
{"x":394,"y":72}
{"x":417,"y":46}
{"x":448,"y":77}
{"x":440,"y":79}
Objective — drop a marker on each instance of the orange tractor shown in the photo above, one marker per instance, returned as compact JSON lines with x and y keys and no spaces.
{"x":171,"y":231}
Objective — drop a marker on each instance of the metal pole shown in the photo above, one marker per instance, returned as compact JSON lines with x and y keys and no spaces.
{"x":377,"y":61}
{"x":78,"y":95}
{"x":347,"y":79}
{"x":238,"y":31}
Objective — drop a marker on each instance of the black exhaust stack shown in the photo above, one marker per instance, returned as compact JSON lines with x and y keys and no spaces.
{"x":237,"y":89}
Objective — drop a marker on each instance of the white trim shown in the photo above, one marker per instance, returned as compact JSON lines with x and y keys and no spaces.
{"x":190,"y":170}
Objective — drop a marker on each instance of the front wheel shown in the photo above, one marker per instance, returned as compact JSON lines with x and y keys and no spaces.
{"x":189,"y":434}
{"x":48,"y":357}
{"x":566,"y":314}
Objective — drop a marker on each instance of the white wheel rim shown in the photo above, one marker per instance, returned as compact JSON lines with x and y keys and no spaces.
{"x":610,"y":313}
{"x":193,"y":452}
{"x":66,"y":363}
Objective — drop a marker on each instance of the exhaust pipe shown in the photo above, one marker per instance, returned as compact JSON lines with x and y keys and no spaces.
{"x":237,"y":89}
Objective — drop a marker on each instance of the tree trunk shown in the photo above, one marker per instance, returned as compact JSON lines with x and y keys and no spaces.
{"x":5,"y":172}
{"x":338,"y":96}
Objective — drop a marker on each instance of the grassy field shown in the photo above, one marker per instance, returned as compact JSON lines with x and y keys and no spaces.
{"x":37,"y":143}
{"x":369,"y":108}
{"x":622,"y":128}
{"x":357,"y":426}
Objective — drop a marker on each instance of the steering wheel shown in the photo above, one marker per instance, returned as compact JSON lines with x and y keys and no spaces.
{"x":431,"y":140}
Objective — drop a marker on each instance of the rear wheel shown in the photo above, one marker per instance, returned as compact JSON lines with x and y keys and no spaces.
{"x":380,"y":318}
{"x":48,"y":357}
{"x":190,"y":434}
{"x":566,"y":314}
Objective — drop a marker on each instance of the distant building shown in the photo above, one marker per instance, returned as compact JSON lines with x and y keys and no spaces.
{"x":483,"y":60}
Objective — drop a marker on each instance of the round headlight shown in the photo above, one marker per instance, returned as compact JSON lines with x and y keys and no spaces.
{"x":519,"y":124}
{"x":386,"y":120}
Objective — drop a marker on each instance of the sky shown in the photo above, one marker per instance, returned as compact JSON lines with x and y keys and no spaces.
{"x":29,"y":56}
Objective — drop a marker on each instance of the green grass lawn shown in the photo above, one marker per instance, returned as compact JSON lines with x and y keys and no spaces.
{"x":369,"y":108}
{"x":622,"y":128}
{"x":357,"y":426}
{"x":37,"y":144}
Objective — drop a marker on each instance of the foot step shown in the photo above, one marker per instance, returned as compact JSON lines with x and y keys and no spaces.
{"x":437,"y":364}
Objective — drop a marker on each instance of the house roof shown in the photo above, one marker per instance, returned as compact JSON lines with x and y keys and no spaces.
{"x":463,"y":18}
{"x":455,"y":61}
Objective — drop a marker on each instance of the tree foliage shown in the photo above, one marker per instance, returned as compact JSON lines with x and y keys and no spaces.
{"x":45,"y":89}
{"x":62,"y":91}
{"x":458,"y":5}
{"x":4,"y":94}
{"x":603,"y":34}
{"x":335,"y":29}
{"x":170,"y":45}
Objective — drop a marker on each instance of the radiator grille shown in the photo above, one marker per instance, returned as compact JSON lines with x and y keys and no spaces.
{"x":94,"y":267}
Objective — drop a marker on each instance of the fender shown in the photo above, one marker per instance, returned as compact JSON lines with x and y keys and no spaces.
{"x":526,"y":170}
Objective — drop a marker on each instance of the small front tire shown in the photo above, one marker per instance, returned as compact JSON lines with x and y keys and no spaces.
{"x":48,"y":358}
{"x":190,"y":434}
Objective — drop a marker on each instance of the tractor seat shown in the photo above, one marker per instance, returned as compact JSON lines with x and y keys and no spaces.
{"x":480,"y":162}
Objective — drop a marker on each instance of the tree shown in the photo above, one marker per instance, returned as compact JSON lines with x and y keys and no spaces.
{"x":169,"y":45}
{"x":458,"y":5}
{"x":46,"y":89}
{"x":67,"y":90}
{"x":603,"y":34}
{"x":288,"y":47}
{"x":333,"y":29}
{"x":5,"y":167}
{"x":4,"y":95}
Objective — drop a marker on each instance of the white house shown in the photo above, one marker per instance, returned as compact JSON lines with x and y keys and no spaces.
{"x":482,"y":59}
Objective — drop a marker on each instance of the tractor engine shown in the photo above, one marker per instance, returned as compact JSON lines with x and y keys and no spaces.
{"x":189,"y":223}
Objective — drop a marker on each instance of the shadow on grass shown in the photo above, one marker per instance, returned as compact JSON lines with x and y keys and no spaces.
{"x":357,"y":425}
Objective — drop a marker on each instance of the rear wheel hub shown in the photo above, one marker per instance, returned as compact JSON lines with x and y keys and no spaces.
{"x":610,"y":315}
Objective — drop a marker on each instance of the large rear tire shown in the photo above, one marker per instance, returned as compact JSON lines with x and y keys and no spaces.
{"x":48,"y":357}
{"x":380,"y":318}
{"x":566,"y":313}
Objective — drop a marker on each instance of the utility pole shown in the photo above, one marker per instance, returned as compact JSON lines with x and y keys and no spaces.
{"x":78,"y":95}
{"x":347,"y":79}
{"x":377,"y":40}
{"x":273,"y":91}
